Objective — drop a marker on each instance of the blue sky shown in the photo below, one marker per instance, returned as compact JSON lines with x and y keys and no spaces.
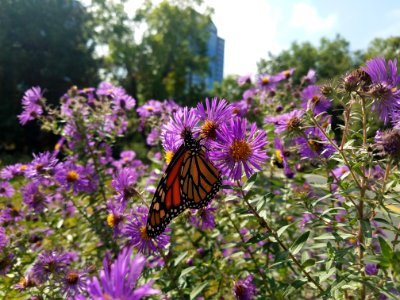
{"x":252,"y":28}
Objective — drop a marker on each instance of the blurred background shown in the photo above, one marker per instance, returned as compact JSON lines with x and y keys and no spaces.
{"x":184,"y":50}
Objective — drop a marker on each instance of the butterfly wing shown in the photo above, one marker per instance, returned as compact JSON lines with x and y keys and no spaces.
{"x":200,"y":180}
{"x":167,"y":201}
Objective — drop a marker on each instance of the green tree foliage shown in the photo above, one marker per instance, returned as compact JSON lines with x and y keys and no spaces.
{"x":46,"y":43}
{"x":229,"y":89}
{"x":388,"y":48}
{"x":330,"y":58}
{"x":172,"y":48}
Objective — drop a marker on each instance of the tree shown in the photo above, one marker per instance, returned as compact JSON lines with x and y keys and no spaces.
{"x":388,"y":48}
{"x":46,"y":43}
{"x":329,"y":59}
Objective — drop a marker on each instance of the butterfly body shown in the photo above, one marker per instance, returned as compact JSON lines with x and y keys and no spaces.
{"x":190,"y":181}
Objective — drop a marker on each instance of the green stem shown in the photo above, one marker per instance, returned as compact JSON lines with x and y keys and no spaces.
{"x":264,"y":224}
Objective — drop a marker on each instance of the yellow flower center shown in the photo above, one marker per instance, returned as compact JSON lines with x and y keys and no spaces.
{"x":209,"y":129}
{"x":286,"y":73}
{"x":23,"y":167}
{"x":72,"y":176}
{"x":293,"y":124}
{"x":289,"y":218}
{"x":23,"y":283}
{"x":149,"y":108}
{"x":72,"y":277}
{"x":111,"y":220}
{"x":143,"y":233}
{"x":265,"y":80}
{"x":57,"y":146}
{"x":240,"y":150}
{"x":315,"y":145}
{"x":279,"y":156}
{"x":393,"y":89}
{"x":39,"y":167}
{"x":168,"y":156}
{"x":315,"y":99}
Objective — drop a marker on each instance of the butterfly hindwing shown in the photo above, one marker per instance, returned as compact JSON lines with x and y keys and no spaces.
{"x":200,"y":180}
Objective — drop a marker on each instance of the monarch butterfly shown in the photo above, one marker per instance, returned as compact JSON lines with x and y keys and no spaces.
{"x":190,"y":181}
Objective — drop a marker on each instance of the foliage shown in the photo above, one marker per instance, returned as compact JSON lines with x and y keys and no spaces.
{"x":330,"y":58}
{"x":42,"y":42}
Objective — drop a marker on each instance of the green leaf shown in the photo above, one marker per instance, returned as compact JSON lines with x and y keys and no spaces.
{"x":299,"y":243}
{"x":180,"y":258}
{"x":387,"y":251}
{"x":197,"y":290}
{"x":249,"y":184}
{"x":308,"y":263}
{"x":186,"y":271}
{"x":283,"y":229}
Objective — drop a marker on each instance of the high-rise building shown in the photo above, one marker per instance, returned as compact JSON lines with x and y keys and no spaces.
{"x":215,"y":54}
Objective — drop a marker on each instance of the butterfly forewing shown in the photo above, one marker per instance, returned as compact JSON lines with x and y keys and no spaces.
{"x":167,"y":202}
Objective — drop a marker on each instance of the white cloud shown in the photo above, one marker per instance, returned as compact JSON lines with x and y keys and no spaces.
{"x":306,"y":16}
{"x":250,"y":31}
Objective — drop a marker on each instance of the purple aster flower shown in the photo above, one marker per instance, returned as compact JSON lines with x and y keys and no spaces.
{"x":32,"y":96}
{"x":136,"y":230}
{"x":244,"y":79}
{"x":310,"y":78}
{"x":249,"y":94}
{"x":3,"y":238}
{"x":313,"y":98}
{"x":154,"y":136}
{"x":371,"y":269}
{"x":281,"y":158}
{"x":204,"y":218}
{"x":290,"y":122}
{"x":314,"y":144}
{"x":245,"y":289}
{"x":383,"y":89}
{"x":122,"y":101}
{"x":287,"y":73}
{"x":106,"y":89}
{"x":307,"y":217}
{"x":33,"y":197}
{"x":127,"y":155}
{"x":10,"y":215}
{"x":26,"y":282}
{"x":170,"y":146}
{"x":388,"y":143}
{"x":6,"y":262}
{"x":30,"y":113}
{"x":212,"y":116}
{"x":43,"y":163}
{"x":150,"y":108}
{"x":240,"y":108}
{"x":119,"y":279}
{"x":124,"y":183}
{"x":48,"y":263}
{"x":182,"y":121}
{"x":74,"y":282}
{"x":341,"y":216}
{"x":235,"y":149}
{"x":115,"y":217}
{"x":267,"y":82}
{"x":6,"y":189}
{"x":73,"y":176}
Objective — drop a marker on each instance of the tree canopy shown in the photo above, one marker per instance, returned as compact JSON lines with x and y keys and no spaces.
{"x":46,"y":43}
